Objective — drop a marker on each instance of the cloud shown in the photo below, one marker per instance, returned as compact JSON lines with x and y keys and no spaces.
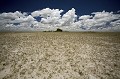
{"x":98,"y":20}
{"x":50,"y":19}
{"x":84,"y":17}
{"x":6,"y":18}
{"x":47,"y":12}
{"x":68,"y":18}
{"x":15,"y":21}
{"x":104,"y":19}
{"x":11,"y":15}
{"x":25,"y":19}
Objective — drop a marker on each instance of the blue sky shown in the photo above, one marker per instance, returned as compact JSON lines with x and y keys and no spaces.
{"x":82,"y":14}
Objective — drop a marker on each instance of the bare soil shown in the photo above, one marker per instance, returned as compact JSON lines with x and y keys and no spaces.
{"x":59,"y":55}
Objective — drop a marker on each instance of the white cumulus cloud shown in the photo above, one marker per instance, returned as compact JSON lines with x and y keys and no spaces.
{"x":84,"y":17}
{"x":68,"y":18}
{"x":50,"y":19}
{"x":48,"y":16}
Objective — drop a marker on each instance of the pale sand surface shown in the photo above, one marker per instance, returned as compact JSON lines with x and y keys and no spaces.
{"x":54,"y":55}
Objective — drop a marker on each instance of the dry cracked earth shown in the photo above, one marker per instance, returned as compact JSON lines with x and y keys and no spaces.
{"x":59,"y":55}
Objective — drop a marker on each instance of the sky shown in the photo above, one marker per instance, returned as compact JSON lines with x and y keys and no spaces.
{"x":69,"y":15}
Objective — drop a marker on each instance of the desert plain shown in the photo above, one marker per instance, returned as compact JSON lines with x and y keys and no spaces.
{"x":60,"y":55}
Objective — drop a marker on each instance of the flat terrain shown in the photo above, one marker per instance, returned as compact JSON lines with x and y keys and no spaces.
{"x":59,"y":55}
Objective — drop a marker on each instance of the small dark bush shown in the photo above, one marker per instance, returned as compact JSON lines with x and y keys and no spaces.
{"x":59,"y":30}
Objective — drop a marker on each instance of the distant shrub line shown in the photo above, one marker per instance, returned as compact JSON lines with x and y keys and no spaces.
{"x":58,"y":30}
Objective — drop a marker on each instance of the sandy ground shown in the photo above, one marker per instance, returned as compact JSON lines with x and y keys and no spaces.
{"x":54,"y":55}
